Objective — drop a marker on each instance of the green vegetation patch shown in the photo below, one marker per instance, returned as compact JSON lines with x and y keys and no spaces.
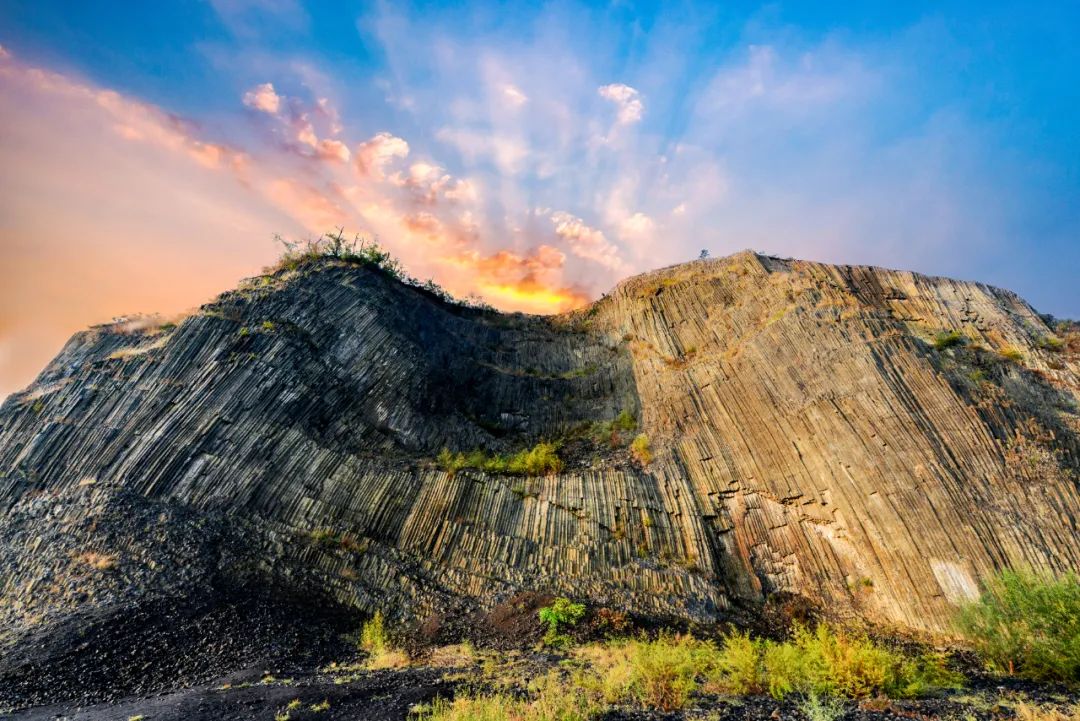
{"x":948,"y":339}
{"x":540,"y":460}
{"x":561,"y":615}
{"x":1027,"y":624}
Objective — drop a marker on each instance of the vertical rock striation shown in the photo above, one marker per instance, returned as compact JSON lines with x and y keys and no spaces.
{"x":812,"y":432}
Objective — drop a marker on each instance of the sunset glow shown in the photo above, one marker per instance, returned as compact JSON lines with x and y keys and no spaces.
{"x":531,"y":157}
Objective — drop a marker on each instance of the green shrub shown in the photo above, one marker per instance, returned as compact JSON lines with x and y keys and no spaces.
{"x":738,"y":667}
{"x":832,"y":662}
{"x":823,"y":662}
{"x":625,"y":421}
{"x":948,"y":339}
{"x":660,"y":674}
{"x":1027,"y":624}
{"x":560,"y":615}
{"x":641,"y":450}
{"x":373,"y":638}
{"x":1012,"y":354}
{"x":1051,"y":343}
{"x":376,"y":642}
{"x":450,"y":462}
{"x":821,"y":708}
{"x":549,"y":699}
{"x":542,"y":459}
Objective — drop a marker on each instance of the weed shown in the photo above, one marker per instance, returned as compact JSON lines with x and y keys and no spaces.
{"x":375,"y":640}
{"x":641,"y":450}
{"x":540,"y":460}
{"x":947,"y":339}
{"x":1030,"y":712}
{"x":321,"y":706}
{"x":373,"y":637}
{"x":560,"y":615}
{"x":1011,"y":354}
{"x":1051,"y":343}
{"x":550,"y":699}
{"x":821,"y":708}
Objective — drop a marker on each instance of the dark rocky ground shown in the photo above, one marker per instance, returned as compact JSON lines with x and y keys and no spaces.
{"x":247,"y":656}
{"x":389,"y":695}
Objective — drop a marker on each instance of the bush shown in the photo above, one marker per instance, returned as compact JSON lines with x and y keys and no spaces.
{"x":831,"y":662}
{"x":1051,"y":343}
{"x":1027,"y":624}
{"x":819,"y":663}
{"x":625,"y":421}
{"x":947,"y":339}
{"x":660,"y":674}
{"x":1012,"y":354}
{"x":738,"y":667}
{"x":561,"y":614}
{"x":542,"y":459}
{"x":375,"y":640}
{"x":821,"y":708}
{"x":641,"y":450}
{"x":550,"y":699}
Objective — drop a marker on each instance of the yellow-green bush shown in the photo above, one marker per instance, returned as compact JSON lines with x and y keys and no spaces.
{"x":542,"y":459}
{"x":660,"y":674}
{"x":823,"y":661}
{"x":1027,"y":624}
{"x":549,"y":699}
{"x":641,"y":450}
{"x":738,"y":666}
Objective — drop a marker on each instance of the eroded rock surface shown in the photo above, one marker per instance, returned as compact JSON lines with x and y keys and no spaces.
{"x":807,"y":438}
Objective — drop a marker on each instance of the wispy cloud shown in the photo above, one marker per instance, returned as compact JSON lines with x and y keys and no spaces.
{"x":507,"y":158}
{"x":626,"y":99}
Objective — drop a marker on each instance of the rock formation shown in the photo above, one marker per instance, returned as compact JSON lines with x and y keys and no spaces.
{"x":813,"y":430}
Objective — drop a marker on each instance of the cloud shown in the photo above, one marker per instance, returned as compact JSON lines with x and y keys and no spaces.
{"x":636,"y":226}
{"x":374,"y":156}
{"x":627,"y":99}
{"x":508,"y":154}
{"x":263,"y":98}
{"x":586,"y":242}
{"x":513,"y":95}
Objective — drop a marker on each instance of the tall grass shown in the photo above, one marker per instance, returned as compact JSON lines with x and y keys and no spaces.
{"x":822,"y":662}
{"x":549,"y":699}
{"x":540,"y":460}
{"x":1027,"y":624}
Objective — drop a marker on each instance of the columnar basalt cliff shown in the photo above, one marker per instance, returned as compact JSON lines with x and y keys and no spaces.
{"x":814,"y":430}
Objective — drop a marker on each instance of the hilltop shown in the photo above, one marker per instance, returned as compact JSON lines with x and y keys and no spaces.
{"x":731,"y":436}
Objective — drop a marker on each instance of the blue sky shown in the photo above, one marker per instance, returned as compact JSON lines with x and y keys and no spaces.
{"x":533,"y":154}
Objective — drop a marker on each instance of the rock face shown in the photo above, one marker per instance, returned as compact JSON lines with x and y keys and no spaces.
{"x":811,"y":432}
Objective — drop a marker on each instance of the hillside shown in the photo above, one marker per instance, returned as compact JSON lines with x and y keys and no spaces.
{"x":803,"y":430}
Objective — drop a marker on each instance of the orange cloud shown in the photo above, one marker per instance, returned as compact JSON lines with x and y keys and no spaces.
{"x":374,"y":155}
{"x":142,"y":212}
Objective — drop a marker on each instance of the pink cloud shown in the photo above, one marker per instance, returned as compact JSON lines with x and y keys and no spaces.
{"x":586,"y":242}
{"x":373,"y":156}
{"x":263,"y":98}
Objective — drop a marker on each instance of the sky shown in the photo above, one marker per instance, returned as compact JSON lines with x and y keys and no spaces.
{"x":531,"y":154}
